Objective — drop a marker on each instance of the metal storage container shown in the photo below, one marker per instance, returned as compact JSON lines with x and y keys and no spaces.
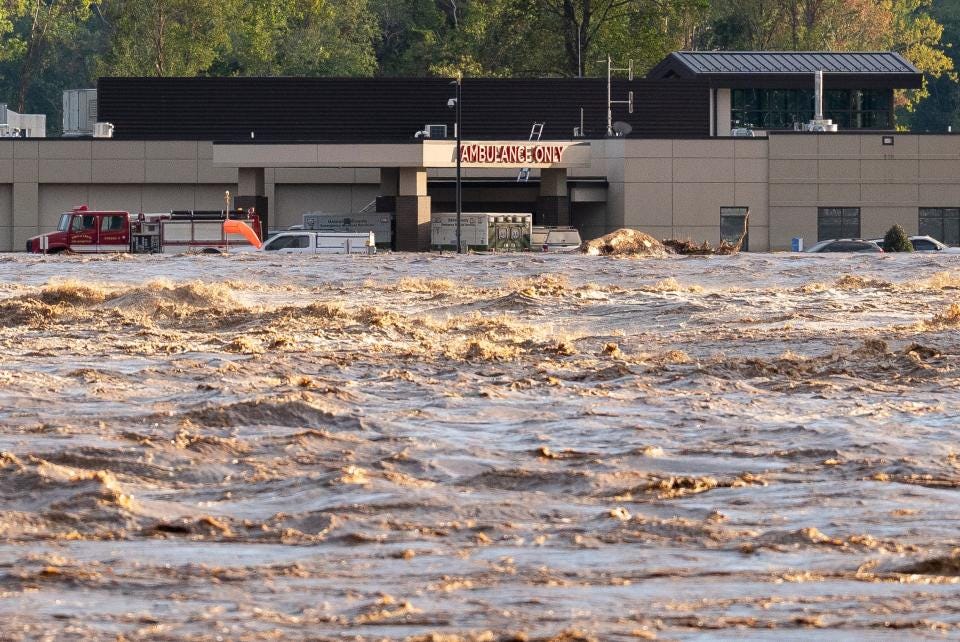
{"x":79,"y":112}
{"x":482,"y":231}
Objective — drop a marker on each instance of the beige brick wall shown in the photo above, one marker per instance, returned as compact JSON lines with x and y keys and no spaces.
{"x":41,"y":179}
{"x":665,"y":187}
{"x":889,"y":183}
{"x":6,"y":217}
{"x":676,"y":188}
{"x":292,"y":201}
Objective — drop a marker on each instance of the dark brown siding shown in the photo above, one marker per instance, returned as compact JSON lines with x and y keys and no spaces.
{"x":390,"y":109}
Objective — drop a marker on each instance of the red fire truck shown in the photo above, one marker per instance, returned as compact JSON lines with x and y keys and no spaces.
{"x":86,"y":231}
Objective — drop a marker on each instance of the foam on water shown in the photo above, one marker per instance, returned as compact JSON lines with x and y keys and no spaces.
{"x":423,"y":445}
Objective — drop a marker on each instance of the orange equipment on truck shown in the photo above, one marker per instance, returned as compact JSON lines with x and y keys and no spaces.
{"x":86,"y":231}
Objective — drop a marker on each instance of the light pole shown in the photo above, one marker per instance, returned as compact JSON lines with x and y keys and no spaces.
{"x":456,"y":131}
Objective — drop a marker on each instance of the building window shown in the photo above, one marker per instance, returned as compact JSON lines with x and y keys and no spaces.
{"x":783,"y":108}
{"x":942,"y":223}
{"x":733,"y":222}
{"x":838,"y":223}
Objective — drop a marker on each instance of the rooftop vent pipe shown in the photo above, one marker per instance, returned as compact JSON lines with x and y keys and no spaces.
{"x":819,"y":123}
{"x":818,"y":94}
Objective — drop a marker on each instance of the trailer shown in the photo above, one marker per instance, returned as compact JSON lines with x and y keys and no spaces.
{"x":483,"y":231}
{"x":380,"y":223}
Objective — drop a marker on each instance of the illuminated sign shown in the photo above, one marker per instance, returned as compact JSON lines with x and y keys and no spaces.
{"x":511,"y":154}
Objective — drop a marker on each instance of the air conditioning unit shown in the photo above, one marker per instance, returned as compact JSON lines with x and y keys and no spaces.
{"x":742,"y":132}
{"x":103,"y":130}
{"x":435,"y":131}
{"x":820,"y":126}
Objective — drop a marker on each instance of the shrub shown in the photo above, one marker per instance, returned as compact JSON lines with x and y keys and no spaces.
{"x":896,"y":240}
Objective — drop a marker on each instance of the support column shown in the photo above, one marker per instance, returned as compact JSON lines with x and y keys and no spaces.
{"x":389,"y":188}
{"x":252,"y":192}
{"x":25,"y":195}
{"x":413,"y":210}
{"x":553,"y":204}
{"x":723,"y":107}
{"x":26,"y":213}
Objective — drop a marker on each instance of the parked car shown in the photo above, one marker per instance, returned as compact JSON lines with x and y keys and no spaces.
{"x":926,"y":244}
{"x":846,"y":245}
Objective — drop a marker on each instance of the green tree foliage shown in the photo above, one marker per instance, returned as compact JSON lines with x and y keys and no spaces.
{"x":896,"y":240}
{"x":50,"y":45}
{"x":34,"y":33}
{"x":302,"y":37}
{"x":942,"y":108}
{"x":905,"y":26}
{"x":165,"y":37}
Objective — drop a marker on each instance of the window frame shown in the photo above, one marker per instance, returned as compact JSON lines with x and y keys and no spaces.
{"x":736,"y":211}
{"x":111,"y":218}
{"x":925,"y":215}
{"x":845,"y":226}
{"x":289,"y":239}
{"x":81,"y":218}
{"x":782,"y":108}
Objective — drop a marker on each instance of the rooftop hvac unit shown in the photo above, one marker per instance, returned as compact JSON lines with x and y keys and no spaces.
{"x":435,"y":131}
{"x":79,"y":112}
{"x":103,"y":130}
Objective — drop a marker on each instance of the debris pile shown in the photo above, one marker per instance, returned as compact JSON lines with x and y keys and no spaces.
{"x":690,"y":247}
{"x":624,"y":242}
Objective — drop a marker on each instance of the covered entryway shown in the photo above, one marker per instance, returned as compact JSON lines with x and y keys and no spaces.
{"x":406,"y":188}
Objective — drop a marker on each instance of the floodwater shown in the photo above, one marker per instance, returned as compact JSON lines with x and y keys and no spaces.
{"x":480,"y":447}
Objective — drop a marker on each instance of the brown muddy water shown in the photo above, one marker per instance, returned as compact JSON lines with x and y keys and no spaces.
{"x":482,"y":447}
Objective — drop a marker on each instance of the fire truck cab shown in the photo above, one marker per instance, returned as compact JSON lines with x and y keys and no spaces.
{"x":84,"y":231}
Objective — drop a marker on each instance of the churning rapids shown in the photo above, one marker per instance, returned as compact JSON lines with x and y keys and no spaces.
{"x":480,"y":448}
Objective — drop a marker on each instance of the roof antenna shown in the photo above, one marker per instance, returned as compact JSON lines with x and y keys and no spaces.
{"x":610,"y":101}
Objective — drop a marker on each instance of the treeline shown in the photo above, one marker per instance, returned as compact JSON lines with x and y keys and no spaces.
{"x":50,"y":45}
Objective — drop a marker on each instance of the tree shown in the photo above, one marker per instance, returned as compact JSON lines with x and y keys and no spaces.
{"x":896,"y":240}
{"x":36,"y":29}
{"x":904,"y":26}
{"x":165,"y":37}
{"x":941,"y":109}
{"x":303,"y":37}
{"x":636,"y":29}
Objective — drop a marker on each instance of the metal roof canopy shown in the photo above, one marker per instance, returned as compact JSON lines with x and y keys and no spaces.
{"x":877,"y":69}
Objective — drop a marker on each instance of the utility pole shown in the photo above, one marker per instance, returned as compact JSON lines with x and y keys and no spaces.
{"x":459,"y":199}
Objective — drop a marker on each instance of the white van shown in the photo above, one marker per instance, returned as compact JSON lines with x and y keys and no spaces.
{"x":307,"y":242}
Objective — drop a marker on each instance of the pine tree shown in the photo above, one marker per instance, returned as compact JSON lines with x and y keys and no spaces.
{"x":896,"y":240}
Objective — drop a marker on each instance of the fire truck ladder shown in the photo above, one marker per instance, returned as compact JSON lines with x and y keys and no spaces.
{"x":535,"y":133}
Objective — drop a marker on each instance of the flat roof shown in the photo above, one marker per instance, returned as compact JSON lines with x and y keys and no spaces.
{"x":345,"y":110}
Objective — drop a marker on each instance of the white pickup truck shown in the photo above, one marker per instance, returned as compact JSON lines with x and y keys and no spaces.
{"x":307,"y":242}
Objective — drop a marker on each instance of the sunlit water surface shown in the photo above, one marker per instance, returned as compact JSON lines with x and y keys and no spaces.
{"x":379,"y":447}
